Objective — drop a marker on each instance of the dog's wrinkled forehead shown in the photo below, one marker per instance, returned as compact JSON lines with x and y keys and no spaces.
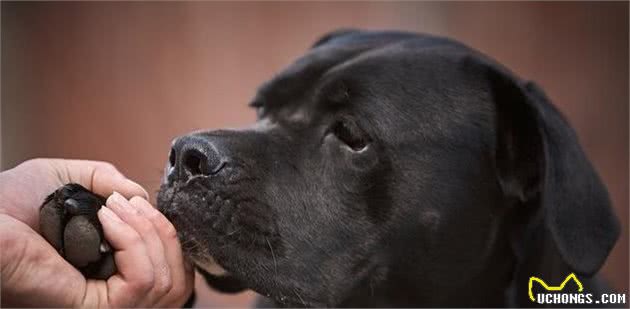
{"x":330,"y":52}
{"x":389,"y":82}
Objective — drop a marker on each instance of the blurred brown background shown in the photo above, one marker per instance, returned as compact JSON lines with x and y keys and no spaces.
{"x":117,"y":81}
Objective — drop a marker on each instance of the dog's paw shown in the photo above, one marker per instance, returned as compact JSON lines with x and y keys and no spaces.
{"x":68,"y":221}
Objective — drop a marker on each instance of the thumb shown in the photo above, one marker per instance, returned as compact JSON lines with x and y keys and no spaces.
{"x":99,"y":177}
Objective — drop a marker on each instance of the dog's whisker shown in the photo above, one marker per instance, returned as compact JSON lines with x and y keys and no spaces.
{"x":300,"y":297}
{"x":186,"y":242}
{"x":233,"y":232}
{"x":275,"y":263}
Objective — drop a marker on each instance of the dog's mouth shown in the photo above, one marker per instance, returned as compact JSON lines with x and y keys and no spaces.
{"x":221,"y":229}
{"x":175,"y":203}
{"x":232,"y":237}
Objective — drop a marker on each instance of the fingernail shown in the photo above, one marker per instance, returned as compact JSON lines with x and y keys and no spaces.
{"x":110,"y":215}
{"x":118,"y":199}
{"x":135,"y":184}
{"x":118,"y":202}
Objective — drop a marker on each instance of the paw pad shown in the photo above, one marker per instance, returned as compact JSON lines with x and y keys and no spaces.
{"x":69,"y":223}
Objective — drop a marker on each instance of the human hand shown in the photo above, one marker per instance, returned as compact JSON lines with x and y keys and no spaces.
{"x":152,"y":270}
{"x":24,"y":188}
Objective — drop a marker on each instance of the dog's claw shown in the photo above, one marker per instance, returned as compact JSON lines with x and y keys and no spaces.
{"x":72,"y":206}
{"x":104,"y":247}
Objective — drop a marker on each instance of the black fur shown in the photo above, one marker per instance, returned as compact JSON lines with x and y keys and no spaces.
{"x":394,"y":169}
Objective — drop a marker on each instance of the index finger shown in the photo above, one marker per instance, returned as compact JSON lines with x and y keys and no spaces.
{"x":99,"y":177}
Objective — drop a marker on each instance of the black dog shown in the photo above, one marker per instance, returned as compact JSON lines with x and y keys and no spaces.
{"x":391,"y":169}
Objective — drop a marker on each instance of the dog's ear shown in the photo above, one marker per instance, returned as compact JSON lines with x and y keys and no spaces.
{"x":332,"y":35}
{"x":540,"y":163}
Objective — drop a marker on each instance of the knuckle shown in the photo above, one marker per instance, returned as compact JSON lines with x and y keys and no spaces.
{"x":34,"y":161}
{"x":155,"y":218}
{"x":139,"y":206}
{"x":105,"y":166}
{"x":38,"y":163}
{"x":144,"y":229}
{"x":136,"y":200}
{"x":145,"y":225}
{"x":164,"y":286}
{"x":144,"y":283}
{"x":135,"y":239}
{"x":167,"y":228}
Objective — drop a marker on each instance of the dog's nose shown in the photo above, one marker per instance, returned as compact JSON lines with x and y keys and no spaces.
{"x":193,"y":156}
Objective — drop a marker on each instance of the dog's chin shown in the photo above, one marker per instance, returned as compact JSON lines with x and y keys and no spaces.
{"x":175,"y":204}
{"x":220,"y":228}
{"x":216,"y":276}
{"x":209,"y":265}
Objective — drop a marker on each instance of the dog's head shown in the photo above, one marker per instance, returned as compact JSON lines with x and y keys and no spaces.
{"x":379,"y":154}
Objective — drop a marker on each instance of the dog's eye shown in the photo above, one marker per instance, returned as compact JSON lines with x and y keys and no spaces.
{"x":350,"y":134}
{"x":260,"y":112}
